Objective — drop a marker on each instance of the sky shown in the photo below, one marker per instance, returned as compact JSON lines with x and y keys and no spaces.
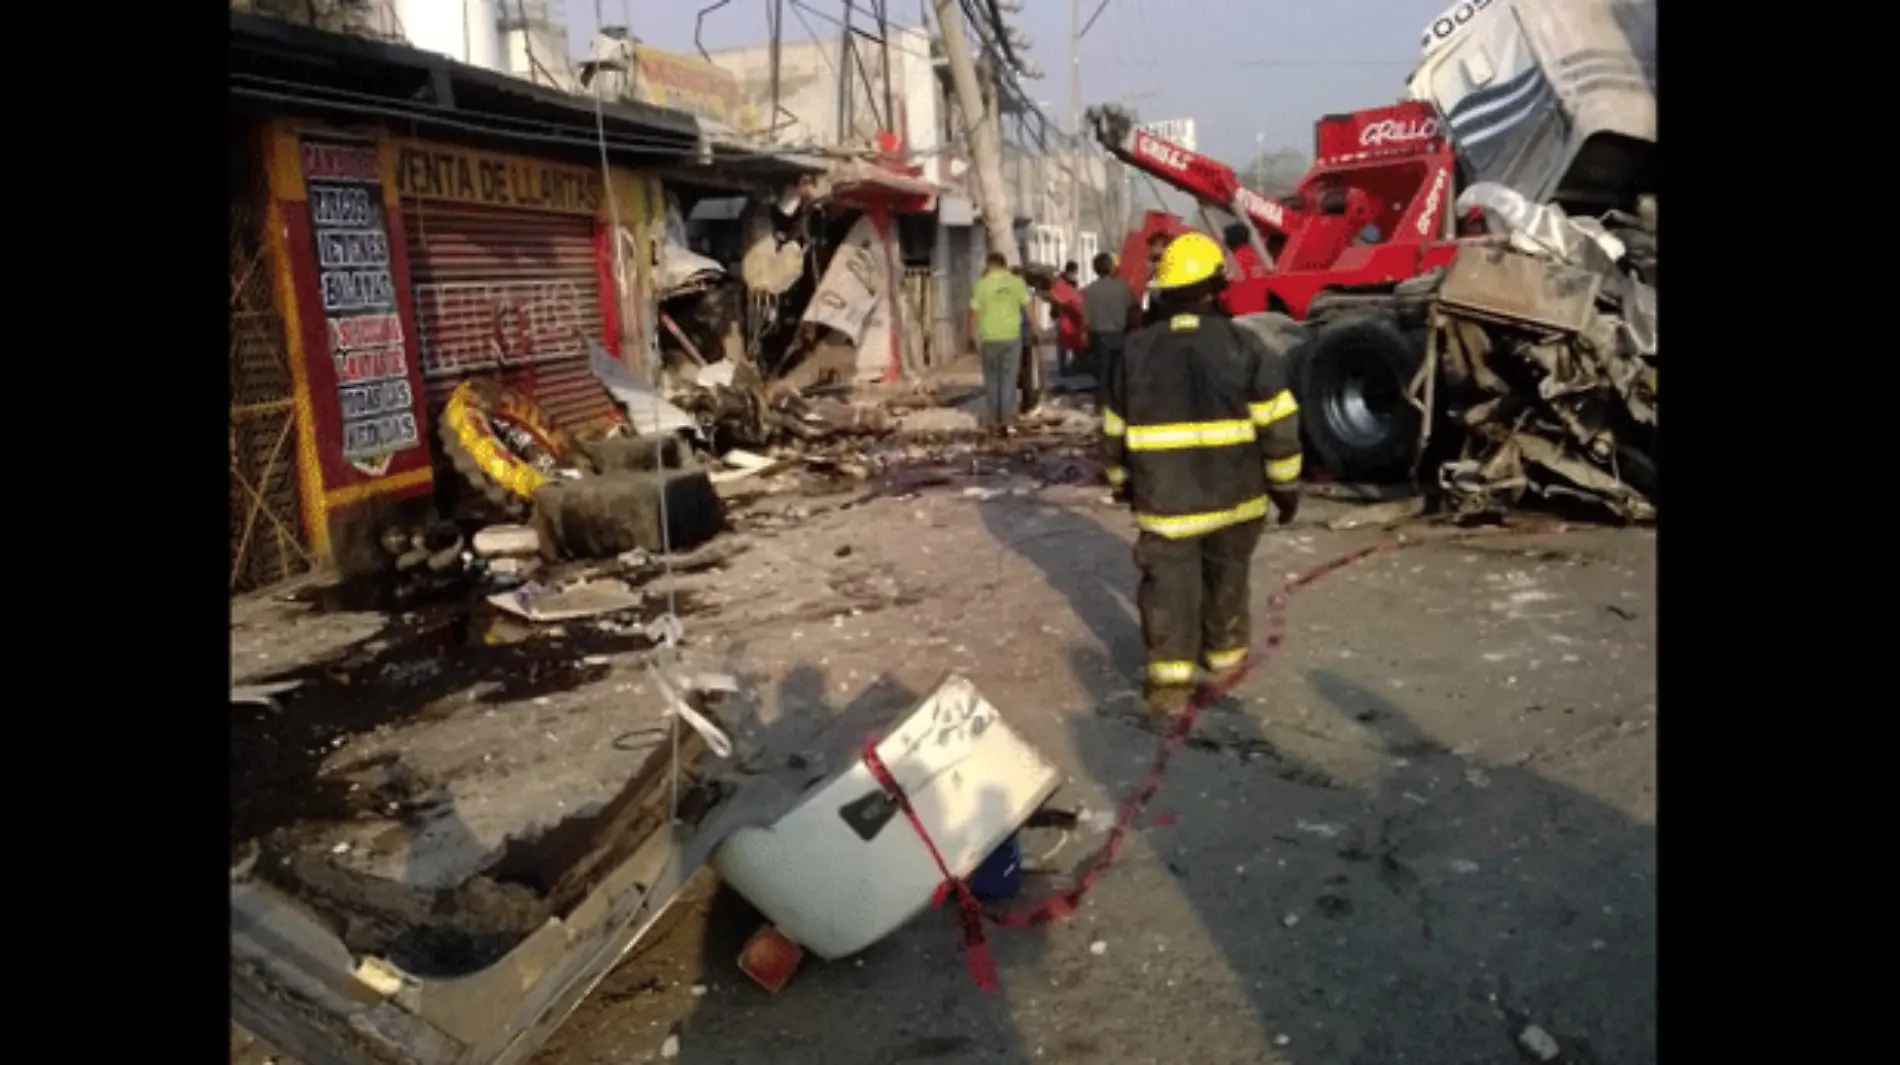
{"x":1249,"y":72}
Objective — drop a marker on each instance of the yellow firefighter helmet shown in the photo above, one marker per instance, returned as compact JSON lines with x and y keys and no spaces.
{"x":1189,"y":259}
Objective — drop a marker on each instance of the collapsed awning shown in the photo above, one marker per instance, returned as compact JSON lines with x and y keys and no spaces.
{"x":860,"y":183}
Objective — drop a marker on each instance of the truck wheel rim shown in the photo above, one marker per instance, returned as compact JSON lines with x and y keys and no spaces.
{"x":1363,"y":406}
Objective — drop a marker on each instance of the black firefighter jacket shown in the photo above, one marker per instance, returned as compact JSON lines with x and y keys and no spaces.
{"x":1198,"y":425}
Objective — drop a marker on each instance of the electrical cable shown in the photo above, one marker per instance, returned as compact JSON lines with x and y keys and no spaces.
{"x":1099,"y":8}
{"x":699,"y":24}
{"x":666,"y":653}
{"x":1002,"y":34}
{"x":866,"y":34}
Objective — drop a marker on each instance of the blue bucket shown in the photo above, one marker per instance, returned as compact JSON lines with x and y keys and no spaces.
{"x":1001,"y":874}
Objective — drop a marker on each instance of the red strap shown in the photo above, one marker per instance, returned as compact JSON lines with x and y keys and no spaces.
{"x":976,"y":946}
{"x":970,"y":913}
{"x":1065,"y":903}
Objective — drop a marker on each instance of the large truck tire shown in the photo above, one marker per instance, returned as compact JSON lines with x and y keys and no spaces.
{"x":500,"y":442}
{"x":1281,"y":333}
{"x":603,"y":516}
{"x":1351,"y":380}
{"x":1284,"y":337}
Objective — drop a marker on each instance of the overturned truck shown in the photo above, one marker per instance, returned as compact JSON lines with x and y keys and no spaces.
{"x":1526,"y":155}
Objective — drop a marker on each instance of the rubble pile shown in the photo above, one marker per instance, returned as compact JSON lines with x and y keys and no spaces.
{"x":1540,"y":366}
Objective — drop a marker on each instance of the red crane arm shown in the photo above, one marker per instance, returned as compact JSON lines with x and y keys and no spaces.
{"x":1209,"y":181}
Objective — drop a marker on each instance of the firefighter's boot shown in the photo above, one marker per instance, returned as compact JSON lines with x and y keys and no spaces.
{"x":1169,"y":700}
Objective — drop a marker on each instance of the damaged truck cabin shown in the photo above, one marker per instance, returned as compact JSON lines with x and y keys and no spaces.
{"x":1531,"y":134}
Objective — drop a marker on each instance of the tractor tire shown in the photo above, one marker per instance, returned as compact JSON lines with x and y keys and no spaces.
{"x":1284,"y":337}
{"x":477,"y":421}
{"x":1350,"y":381}
{"x":603,"y":516}
{"x":1281,"y":333}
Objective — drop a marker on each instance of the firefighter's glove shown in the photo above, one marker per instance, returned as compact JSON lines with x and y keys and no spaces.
{"x":1286,"y":503}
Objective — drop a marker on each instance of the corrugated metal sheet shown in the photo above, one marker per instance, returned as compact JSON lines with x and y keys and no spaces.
{"x":513,"y":293}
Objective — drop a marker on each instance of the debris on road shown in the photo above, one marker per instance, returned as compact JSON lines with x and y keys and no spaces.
{"x":1539,"y":1043}
{"x":841,"y":869}
{"x":504,"y":541}
{"x":586,"y":599}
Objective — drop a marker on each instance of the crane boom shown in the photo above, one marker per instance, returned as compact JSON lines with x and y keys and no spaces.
{"x":1209,"y":181}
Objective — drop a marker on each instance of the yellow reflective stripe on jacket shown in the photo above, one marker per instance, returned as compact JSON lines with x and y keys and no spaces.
{"x":1183,"y":322}
{"x":1171,"y":672}
{"x":1220,"y":660}
{"x":1189,"y":434}
{"x":1280,"y":471}
{"x":1181,"y":526}
{"x":1272,"y":410}
{"x":1112,"y":423}
{"x":1116,"y":475}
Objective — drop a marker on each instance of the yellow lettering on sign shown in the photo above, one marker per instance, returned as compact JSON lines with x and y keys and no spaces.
{"x":488,"y":179}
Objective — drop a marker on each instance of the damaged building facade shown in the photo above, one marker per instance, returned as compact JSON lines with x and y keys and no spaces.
{"x":404,"y":226}
{"x":857,"y":96}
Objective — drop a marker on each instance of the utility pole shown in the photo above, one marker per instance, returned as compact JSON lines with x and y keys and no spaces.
{"x":1075,"y":128}
{"x":986,"y":154}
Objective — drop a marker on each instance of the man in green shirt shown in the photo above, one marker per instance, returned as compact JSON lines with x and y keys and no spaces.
{"x":996,"y":317}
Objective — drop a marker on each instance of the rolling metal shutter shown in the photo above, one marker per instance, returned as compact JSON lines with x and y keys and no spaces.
{"x":514,"y":293}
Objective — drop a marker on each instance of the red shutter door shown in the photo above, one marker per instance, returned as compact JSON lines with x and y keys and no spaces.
{"x":508,"y":293}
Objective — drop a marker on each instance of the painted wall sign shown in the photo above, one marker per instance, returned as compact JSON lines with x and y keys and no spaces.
{"x":426,"y":171}
{"x":357,"y":292}
{"x":689,"y":83}
{"x":468,"y":325}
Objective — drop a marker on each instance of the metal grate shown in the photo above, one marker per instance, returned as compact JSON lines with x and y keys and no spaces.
{"x":508,"y":294}
{"x":267,"y":538}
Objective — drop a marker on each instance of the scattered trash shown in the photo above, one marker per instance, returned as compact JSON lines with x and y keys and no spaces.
{"x":1539,"y":1043}
{"x":1379,"y":514}
{"x":498,"y":541}
{"x":649,"y":414}
{"x":587,"y":599}
{"x":1098,"y":948}
{"x":264,"y":695}
{"x":670,"y":1048}
{"x":770,"y":958}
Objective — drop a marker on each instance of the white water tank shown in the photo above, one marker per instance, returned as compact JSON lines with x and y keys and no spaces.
{"x":468,"y":31}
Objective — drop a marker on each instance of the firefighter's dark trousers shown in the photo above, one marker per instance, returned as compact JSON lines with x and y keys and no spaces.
{"x":1193,"y":599}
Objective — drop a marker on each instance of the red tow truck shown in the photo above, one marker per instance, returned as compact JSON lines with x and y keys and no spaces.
{"x":1374,"y":209}
{"x":1555,"y":102}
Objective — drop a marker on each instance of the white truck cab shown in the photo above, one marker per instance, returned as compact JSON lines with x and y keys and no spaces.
{"x":1556,"y":99}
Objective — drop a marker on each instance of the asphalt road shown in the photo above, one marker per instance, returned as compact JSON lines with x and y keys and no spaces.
{"x":1426,"y":827}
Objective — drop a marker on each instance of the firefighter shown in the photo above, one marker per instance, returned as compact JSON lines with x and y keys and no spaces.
{"x":1199,"y":434}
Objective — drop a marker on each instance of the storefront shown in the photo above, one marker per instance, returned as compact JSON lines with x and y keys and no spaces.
{"x":405,"y":236}
{"x":511,"y":272}
{"x":411,"y":266}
